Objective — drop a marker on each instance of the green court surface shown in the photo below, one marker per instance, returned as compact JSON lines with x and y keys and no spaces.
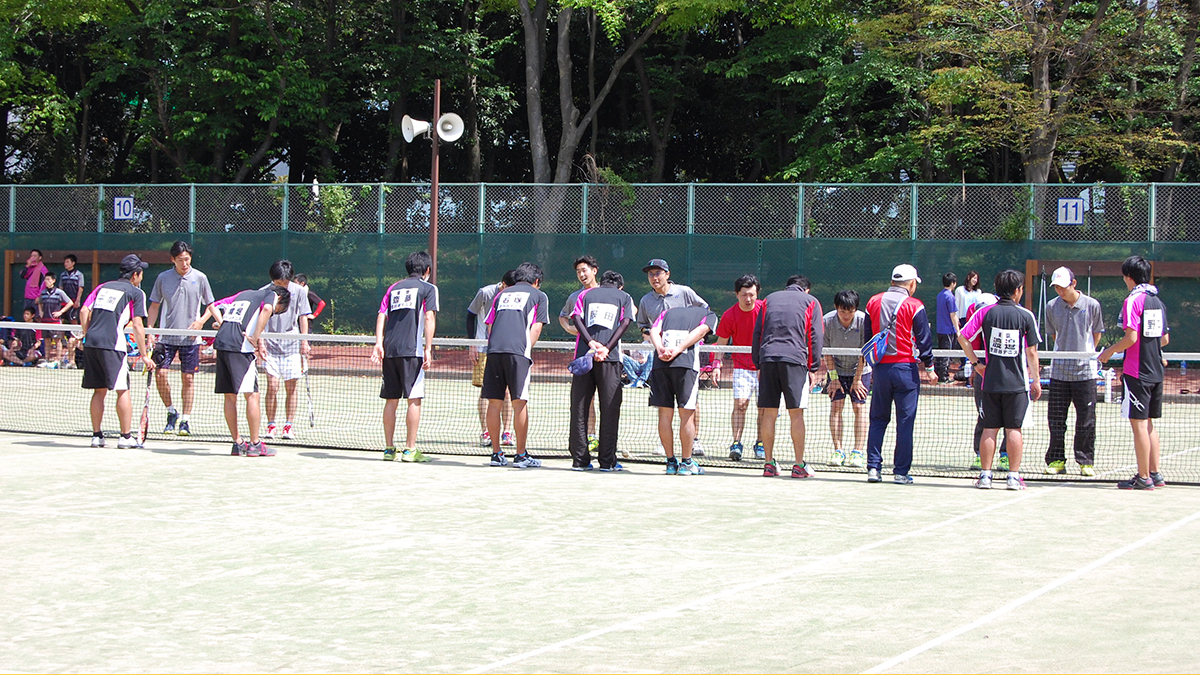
{"x":180,"y":558}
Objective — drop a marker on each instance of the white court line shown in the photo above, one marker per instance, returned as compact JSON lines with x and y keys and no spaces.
{"x":756,"y":583}
{"x":43,"y":454}
{"x":1066,"y":578}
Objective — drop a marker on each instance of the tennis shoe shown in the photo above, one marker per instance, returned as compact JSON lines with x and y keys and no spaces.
{"x":1015,"y":483}
{"x":1003,"y":464}
{"x":902,"y":479}
{"x":97,"y":441}
{"x":252,"y":449}
{"x":184,"y":429}
{"x":802,"y":471}
{"x":127,"y":443}
{"x":1136,"y":483}
{"x":857,"y":459}
{"x":287,"y":431}
{"x":983,"y":482}
{"x":498,"y":459}
{"x":1089,"y":470}
{"x":576,"y":467}
{"x":760,"y":452}
{"x":838,"y":458}
{"x":672,"y":466}
{"x":658,"y":450}
{"x":485,"y":440}
{"x":271,"y":430}
{"x":1056,"y":467}
{"x":735,"y":451}
{"x":612,"y":469}
{"x":689,"y":467}
{"x":240,"y":449}
{"x":593,"y":443}
{"x":414,"y":455}
{"x":524,"y":461}
{"x":389,"y":453}
{"x":697,"y":451}
{"x":873,"y":476}
{"x":1157,"y":479}
{"x":976,"y":464}
{"x":507,"y":438}
{"x":263,"y":450}
{"x":770,"y":469}
{"x":172,"y":418}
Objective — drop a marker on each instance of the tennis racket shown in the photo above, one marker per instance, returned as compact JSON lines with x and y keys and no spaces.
{"x":144,"y":426}
{"x":312,"y":417}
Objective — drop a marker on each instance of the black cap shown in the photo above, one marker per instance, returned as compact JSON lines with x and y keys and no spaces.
{"x":131,"y":263}
{"x":659,"y":263}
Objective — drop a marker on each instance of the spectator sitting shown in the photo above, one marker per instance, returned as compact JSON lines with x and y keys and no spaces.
{"x":637,"y":367}
{"x":24,"y":349}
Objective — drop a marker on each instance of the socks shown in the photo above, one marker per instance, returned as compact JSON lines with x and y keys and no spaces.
{"x":1014,"y":474}
{"x":183,"y":417}
{"x":171,"y":410}
{"x":97,"y":434}
{"x":985,"y":473}
{"x":126,"y":436}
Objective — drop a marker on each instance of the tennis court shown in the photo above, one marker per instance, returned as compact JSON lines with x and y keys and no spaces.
{"x":181,"y":558}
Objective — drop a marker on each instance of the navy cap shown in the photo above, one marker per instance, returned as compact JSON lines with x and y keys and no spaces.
{"x":659,"y":263}
{"x":132,"y":263}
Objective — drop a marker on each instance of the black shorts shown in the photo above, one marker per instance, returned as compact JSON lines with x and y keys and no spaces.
{"x":50,"y":336}
{"x":506,"y":372}
{"x":236,"y":373}
{"x":674,"y":388}
{"x":1003,"y":410}
{"x":189,"y":356}
{"x":403,"y":377}
{"x":1142,"y":400}
{"x":105,"y":369}
{"x":22,"y":354}
{"x":845,"y":382}
{"x":789,"y":380}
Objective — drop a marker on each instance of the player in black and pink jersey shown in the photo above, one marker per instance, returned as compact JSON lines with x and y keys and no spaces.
{"x":242,"y":320}
{"x":1009,"y":371}
{"x":514,"y":326}
{"x":1144,"y":320}
{"x":103,"y":317}
{"x":404,"y":346}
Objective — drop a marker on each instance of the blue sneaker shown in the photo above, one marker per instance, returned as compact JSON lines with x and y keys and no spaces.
{"x":172,"y":418}
{"x":611,"y":469}
{"x":689,"y":467}
{"x":576,"y":467}
{"x":760,"y":451}
{"x":735,"y":451}
{"x":902,"y":479}
{"x":672,"y":466}
{"x":498,"y":459}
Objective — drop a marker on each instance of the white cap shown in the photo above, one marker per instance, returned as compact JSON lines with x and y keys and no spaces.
{"x":985,"y":299}
{"x":905,"y":273}
{"x":1062,"y":276}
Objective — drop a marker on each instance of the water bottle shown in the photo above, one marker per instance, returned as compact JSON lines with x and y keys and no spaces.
{"x":1183,"y":369}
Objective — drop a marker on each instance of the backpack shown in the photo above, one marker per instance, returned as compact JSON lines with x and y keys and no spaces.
{"x":876,"y":347}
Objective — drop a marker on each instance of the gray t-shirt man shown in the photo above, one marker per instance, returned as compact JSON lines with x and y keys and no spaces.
{"x":852,"y":337}
{"x":1074,"y":328}
{"x":288,"y":322}
{"x":181,"y":299}
{"x":480,"y":305}
{"x":652,"y":305}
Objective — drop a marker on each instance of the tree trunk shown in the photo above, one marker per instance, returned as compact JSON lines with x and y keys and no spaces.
{"x":397,"y":104}
{"x":84,"y":138}
{"x":659,"y":139}
{"x":327,"y":134}
{"x":593,"y":30}
{"x":471,"y":109}
{"x":533,"y":24}
{"x":1182,"y":78}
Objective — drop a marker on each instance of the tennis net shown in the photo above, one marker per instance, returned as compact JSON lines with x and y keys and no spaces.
{"x":337,"y":406}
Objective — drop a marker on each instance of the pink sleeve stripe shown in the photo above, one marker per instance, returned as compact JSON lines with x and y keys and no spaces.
{"x":91,"y":298}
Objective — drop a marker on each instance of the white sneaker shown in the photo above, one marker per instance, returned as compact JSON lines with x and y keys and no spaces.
{"x":697,"y":450}
{"x":271,"y":429}
{"x":658,"y":450}
{"x":97,"y":441}
{"x":127,"y":443}
{"x":287,"y":431}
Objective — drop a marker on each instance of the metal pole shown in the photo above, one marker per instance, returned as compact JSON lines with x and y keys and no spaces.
{"x":912,"y":212}
{"x":100,"y":210}
{"x":433,"y":198}
{"x":381,"y":214}
{"x":800,"y":229}
{"x":12,"y":208}
{"x":1152,"y":226}
{"x":283,"y":220}
{"x":583,"y":210}
{"x":192,"y":208}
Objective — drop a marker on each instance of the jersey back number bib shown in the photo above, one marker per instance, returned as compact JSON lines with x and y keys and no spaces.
{"x":107,"y":299}
{"x":1004,"y":342}
{"x":602,"y":315}
{"x":514,"y":301}
{"x":673,"y":339}
{"x":403,"y":298}
{"x":236,"y":311}
{"x":1152,"y":323}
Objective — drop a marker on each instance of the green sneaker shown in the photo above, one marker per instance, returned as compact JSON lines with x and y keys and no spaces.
{"x":1056,"y":467}
{"x":976,"y":464}
{"x":1003,"y":464}
{"x":413,"y":455}
{"x":838,"y":458}
{"x":389,"y":453}
{"x":1088,"y":470}
{"x":593,"y":443}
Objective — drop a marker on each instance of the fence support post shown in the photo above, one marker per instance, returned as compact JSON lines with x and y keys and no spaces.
{"x":691,"y":227}
{"x":381,"y":214}
{"x":801,"y":231}
{"x":1032,"y":212}
{"x":283,"y":221}
{"x":191,"y":208}
{"x":1152,"y":226}
{"x":12,"y":208}
{"x":583,"y":210}
{"x":482,"y":222}
{"x":912,"y":212}
{"x":100,"y":209}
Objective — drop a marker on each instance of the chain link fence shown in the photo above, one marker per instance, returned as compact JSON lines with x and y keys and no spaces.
{"x":1062,"y":212}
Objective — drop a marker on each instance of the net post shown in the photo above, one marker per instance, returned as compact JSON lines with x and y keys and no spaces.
{"x":1152,"y":213}
{"x":12,"y":210}
{"x":912,"y":212}
{"x":100,"y":209}
{"x":191,"y":208}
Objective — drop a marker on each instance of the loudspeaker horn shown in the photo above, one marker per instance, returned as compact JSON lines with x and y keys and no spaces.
{"x":450,"y":127}
{"x":412,"y":128}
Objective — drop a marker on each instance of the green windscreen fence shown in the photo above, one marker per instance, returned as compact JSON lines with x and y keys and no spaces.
{"x":350,"y":271}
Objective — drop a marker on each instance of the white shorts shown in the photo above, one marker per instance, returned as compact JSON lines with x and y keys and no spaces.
{"x":287,"y":367}
{"x":745,"y":383}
